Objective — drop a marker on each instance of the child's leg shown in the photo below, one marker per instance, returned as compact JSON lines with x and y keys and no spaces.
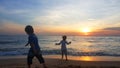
{"x":66,"y":54}
{"x":62,"y":54}
{"x":29,"y":58}
{"x":29,"y":61}
{"x":41,"y":60}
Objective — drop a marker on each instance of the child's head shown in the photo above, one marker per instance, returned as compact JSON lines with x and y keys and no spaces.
{"x":29,"y":29}
{"x":64,"y":37}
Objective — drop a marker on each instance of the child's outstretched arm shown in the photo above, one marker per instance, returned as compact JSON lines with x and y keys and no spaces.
{"x":27,"y":44}
{"x":68,"y":43}
{"x":58,"y":43}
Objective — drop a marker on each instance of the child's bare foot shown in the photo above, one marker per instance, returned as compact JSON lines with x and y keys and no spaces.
{"x":66,"y":59}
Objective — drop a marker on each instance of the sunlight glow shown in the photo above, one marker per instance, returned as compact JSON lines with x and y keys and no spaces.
{"x":87,"y":58}
{"x":85,"y":30}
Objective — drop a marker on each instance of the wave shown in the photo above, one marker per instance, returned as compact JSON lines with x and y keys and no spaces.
{"x":24,"y":51}
{"x":8,"y":41}
{"x":92,"y":54}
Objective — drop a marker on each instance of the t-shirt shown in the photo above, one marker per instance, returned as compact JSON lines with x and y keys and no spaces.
{"x":34,"y":40}
{"x":63,"y":44}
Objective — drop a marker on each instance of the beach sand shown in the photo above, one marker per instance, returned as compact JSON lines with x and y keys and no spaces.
{"x":55,"y":61}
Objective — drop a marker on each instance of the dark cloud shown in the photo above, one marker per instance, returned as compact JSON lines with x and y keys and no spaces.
{"x":112,"y":28}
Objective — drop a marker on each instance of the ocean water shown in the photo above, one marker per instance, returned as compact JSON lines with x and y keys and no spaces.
{"x":80,"y":46}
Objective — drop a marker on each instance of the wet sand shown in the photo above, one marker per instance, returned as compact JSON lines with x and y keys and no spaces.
{"x":55,"y":61}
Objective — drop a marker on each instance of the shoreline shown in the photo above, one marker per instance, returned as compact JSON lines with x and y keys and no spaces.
{"x":78,"y":58}
{"x":55,"y":61}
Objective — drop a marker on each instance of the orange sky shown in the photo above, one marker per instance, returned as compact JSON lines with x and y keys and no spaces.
{"x":100,"y":17}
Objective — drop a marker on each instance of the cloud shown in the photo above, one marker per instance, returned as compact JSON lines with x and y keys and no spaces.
{"x":68,"y":15}
{"x":81,"y":13}
{"x":61,"y":15}
{"x":12,"y":11}
{"x":112,"y":28}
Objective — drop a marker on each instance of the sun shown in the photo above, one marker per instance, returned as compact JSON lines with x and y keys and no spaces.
{"x":85,"y":31}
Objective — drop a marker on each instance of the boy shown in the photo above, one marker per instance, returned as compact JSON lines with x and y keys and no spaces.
{"x":35,"y":49}
{"x":63,"y":46}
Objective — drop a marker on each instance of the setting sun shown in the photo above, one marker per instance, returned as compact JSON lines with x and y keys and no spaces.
{"x":85,"y":30}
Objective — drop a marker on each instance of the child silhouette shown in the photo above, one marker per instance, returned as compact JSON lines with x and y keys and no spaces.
{"x":35,"y":49}
{"x":63,"y":43}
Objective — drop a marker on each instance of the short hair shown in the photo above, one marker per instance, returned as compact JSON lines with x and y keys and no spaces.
{"x":29,"y":29}
{"x":64,"y":37}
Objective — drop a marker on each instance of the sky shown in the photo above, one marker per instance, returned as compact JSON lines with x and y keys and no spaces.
{"x":59,"y":17}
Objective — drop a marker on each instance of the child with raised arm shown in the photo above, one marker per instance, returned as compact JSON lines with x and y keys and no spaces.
{"x":63,"y":46}
{"x":35,"y":49}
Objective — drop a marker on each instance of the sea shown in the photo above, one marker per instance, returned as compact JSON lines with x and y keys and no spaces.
{"x":14,"y":45}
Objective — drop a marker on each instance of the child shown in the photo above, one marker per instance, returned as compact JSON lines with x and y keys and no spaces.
{"x":63,"y":46}
{"x":35,"y":49}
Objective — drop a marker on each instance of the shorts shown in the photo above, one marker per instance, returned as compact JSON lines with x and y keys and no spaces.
{"x":31,"y":55}
{"x":64,"y":51}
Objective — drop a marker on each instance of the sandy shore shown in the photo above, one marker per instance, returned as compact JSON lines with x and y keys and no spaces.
{"x":54,"y":61}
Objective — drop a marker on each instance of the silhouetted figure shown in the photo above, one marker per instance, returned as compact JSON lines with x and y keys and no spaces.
{"x":63,"y":46}
{"x":35,"y":49}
